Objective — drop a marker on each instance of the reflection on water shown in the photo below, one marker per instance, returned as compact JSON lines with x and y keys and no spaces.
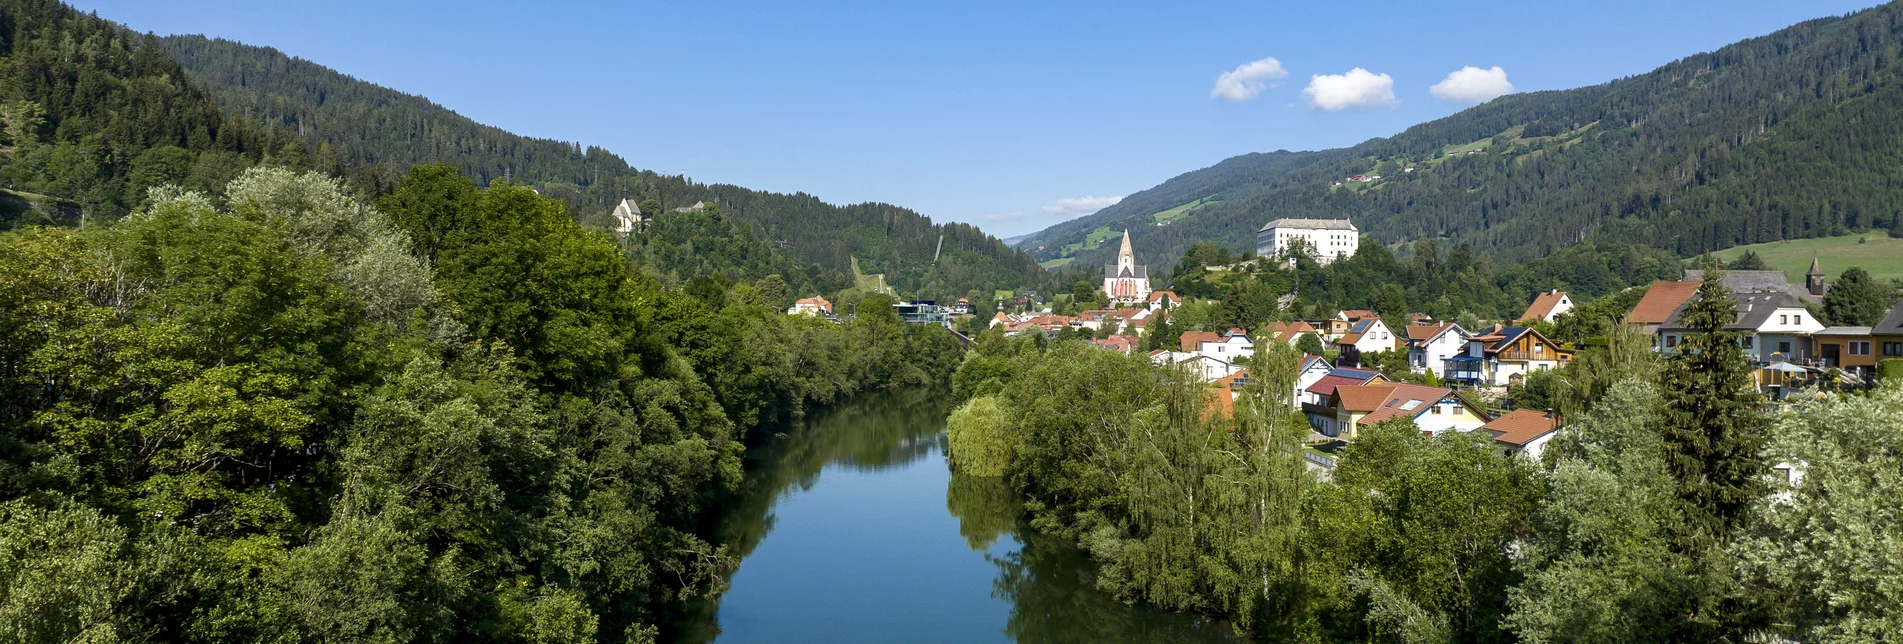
{"x":842,"y":540}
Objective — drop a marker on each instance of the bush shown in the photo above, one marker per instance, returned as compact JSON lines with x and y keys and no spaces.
{"x":1890,"y":369}
{"x":980,"y":443}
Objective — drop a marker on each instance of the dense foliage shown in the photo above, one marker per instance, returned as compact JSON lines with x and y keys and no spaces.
{"x":457,"y":415}
{"x":1441,"y":283}
{"x":377,"y":131}
{"x":1791,"y":135}
{"x":1649,"y":519}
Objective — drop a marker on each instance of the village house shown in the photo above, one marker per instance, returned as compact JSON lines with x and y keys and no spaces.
{"x":1850,"y":348}
{"x":1312,"y":369}
{"x":1159,"y":299}
{"x":1289,"y":332}
{"x":961,"y":307}
{"x":1200,"y":365}
{"x":1327,"y":239}
{"x":1888,"y":334}
{"x":1524,"y":431}
{"x":1777,"y":327}
{"x":1503,"y":355}
{"x":1370,"y":335}
{"x":1430,"y":346}
{"x":1318,"y":393}
{"x":1547,"y":306}
{"x":815,"y":305}
{"x":1228,"y":347}
{"x":1123,"y":343}
{"x":1658,"y":303}
{"x":1126,"y":281}
{"x":1435,"y":410}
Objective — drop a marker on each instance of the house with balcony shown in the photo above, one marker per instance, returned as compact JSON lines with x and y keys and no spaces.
{"x":1888,"y":334}
{"x":1503,"y":355}
{"x":1429,"y":346}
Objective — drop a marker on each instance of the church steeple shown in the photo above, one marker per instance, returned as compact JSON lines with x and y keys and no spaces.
{"x":1814,"y":280}
{"x":1126,"y":258}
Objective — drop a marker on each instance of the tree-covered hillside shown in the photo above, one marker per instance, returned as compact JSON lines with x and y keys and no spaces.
{"x":1791,"y":135}
{"x":377,"y":132}
{"x":91,"y":115}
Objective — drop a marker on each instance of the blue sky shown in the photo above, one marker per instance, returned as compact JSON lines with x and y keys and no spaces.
{"x":1004,"y":114}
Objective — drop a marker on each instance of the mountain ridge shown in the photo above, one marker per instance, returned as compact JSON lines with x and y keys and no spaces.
{"x":1788,"y":135}
{"x":376,"y":130}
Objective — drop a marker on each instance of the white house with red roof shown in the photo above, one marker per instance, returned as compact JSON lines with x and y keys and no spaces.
{"x":1524,"y":431}
{"x":1370,"y":335}
{"x":1429,"y":347}
{"x":814,"y":305}
{"x":1435,"y":410}
{"x":1547,"y":306}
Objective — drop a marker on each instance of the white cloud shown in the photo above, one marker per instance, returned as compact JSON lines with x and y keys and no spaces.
{"x":1472,"y":85}
{"x":1359,"y":88}
{"x":1064,"y":208}
{"x":1079,"y":206}
{"x":1248,"y":80}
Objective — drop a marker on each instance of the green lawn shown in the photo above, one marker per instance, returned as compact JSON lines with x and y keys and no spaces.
{"x":1056,"y":263}
{"x":1877,"y":253}
{"x":1093,"y":239}
{"x":1179,"y":212}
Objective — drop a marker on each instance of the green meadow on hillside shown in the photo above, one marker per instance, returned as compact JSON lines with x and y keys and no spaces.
{"x":1876,"y":252}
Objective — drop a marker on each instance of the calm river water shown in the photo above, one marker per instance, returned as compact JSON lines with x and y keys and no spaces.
{"x":855,"y":530}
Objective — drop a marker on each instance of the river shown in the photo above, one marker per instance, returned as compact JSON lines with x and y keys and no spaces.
{"x":854,"y":529}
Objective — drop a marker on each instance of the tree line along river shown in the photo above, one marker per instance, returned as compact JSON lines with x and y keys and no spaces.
{"x":854,"y":529}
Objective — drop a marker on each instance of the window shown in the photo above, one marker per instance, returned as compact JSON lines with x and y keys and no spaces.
{"x":1784,"y":347}
{"x":1747,"y":342}
{"x":1859,"y":348}
{"x":1459,"y":410}
{"x":1893,"y":348}
{"x":1437,"y":410}
{"x":1671,"y":341}
{"x":1539,"y":348}
{"x":1783,"y":319}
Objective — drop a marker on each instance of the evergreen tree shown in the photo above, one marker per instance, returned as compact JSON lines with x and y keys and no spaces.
{"x":1713,"y":428}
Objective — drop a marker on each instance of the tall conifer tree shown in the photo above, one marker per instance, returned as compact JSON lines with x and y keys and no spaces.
{"x":1713,"y":428}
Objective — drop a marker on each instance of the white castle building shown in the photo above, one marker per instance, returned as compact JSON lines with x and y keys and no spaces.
{"x":1328,"y":239}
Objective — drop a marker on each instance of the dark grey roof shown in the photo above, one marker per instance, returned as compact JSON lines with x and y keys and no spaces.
{"x":1758,"y":282}
{"x":1310,"y":224}
{"x":1110,"y":271}
{"x":1892,"y":323}
{"x":1753,"y":309}
{"x":1849,"y":331}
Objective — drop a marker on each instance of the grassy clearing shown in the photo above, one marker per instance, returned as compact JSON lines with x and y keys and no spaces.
{"x":1056,"y":263}
{"x":1875,"y":252}
{"x":1180,"y":212}
{"x":1093,"y":239}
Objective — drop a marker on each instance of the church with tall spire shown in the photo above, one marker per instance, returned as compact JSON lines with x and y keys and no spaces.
{"x":1126,"y":281}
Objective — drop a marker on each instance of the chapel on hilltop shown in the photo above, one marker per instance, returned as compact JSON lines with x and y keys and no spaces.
{"x":1126,"y":281}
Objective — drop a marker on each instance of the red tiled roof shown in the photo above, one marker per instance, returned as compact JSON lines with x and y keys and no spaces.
{"x":1423,"y":333}
{"x":1363,"y":398}
{"x":1157,"y":295}
{"x":1398,"y":398}
{"x":1522,"y":426}
{"x":1542,"y":306}
{"x":1193,"y":340}
{"x":1124,"y":343}
{"x":1660,"y":301}
{"x":1358,"y":315}
{"x":1326,"y":386}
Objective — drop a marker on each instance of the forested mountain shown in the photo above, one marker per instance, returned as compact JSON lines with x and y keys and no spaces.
{"x":377,"y":132}
{"x":1791,"y":135}
{"x":91,"y":115}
